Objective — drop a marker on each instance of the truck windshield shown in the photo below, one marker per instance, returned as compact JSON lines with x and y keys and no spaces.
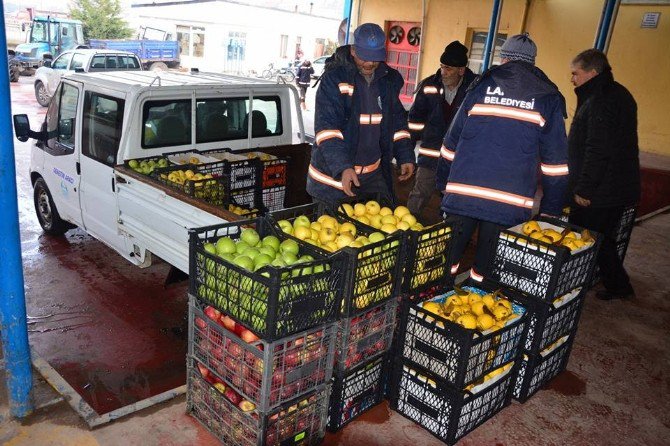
{"x":39,"y":32}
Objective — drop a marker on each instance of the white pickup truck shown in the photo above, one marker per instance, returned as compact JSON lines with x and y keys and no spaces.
{"x":98,"y":121}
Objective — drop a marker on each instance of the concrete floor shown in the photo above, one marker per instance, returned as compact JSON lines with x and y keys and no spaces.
{"x":614,"y":391}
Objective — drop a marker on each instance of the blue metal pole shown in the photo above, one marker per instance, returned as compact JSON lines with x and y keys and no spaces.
{"x":347,"y":15}
{"x":607,"y":18}
{"x":493,"y":32}
{"x":13,"y":325}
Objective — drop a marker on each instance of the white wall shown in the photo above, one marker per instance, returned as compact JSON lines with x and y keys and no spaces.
{"x":263,"y":28}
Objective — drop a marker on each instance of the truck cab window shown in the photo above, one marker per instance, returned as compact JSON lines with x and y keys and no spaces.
{"x":62,"y":62}
{"x":166,"y":123}
{"x":78,"y":61}
{"x":102,"y":124}
{"x":61,"y":120}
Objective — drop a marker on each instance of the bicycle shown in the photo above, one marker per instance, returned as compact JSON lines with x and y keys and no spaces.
{"x":284,"y":73}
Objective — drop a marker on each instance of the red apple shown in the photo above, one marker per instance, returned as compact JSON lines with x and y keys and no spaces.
{"x":239,"y":328}
{"x":228,"y":322}
{"x":235,"y":350}
{"x":288,"y":391}
{"x":204,"y":371}
{"x":212,"y":313}
{"x":291,"y":359}
{"x":217,"y":353}
{"x":277,"y":379}
{"x":249,"y":337}
{"x":221,"y":387}
{"x":232,"y":396}
{"x":231,"y":364}
{"x":238,"y":381}
{"x":200,"y":323}
{"x":271,"y":439}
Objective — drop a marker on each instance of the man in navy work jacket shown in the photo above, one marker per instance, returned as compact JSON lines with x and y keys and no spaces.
{"x":509,"y":127}
{"x":435,"y":104}
{"x":360,"y":125}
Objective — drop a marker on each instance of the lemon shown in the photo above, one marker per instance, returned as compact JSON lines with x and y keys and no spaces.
{"x":485,"y":321}
{"x":432,"y":307}
{"x":468,"y":321}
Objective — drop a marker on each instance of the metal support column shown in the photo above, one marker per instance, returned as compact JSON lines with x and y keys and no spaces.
{"x":493,"y":32}
{"x":347,"y":16}
{"x":13,"y":325}
{"x":606,"y":25}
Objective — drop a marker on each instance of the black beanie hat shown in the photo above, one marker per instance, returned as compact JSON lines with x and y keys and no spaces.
{"x":455,"y":55}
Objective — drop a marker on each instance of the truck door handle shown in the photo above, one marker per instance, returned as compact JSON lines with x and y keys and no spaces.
{"x":78,"y":167}
{"x":113,"y":190}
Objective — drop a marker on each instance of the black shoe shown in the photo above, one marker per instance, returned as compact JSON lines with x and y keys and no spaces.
{"x":609,"y":295}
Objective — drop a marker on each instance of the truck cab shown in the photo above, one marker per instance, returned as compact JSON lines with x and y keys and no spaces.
{"x":96,"y":122}
{"x":49,"y":36}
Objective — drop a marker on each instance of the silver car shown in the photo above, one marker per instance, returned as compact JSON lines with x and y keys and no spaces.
{"x":82,"y":60}
{"x":318,"y":64}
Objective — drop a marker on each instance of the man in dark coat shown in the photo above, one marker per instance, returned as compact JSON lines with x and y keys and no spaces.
{"x":435,"y":104}
{"x":603,"y":160}
{"x":360,"y":124}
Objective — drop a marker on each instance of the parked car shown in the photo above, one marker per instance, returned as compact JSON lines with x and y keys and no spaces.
{"x":48,"y":76}
{"x":14,"y":66}
{"x":318,"y":64}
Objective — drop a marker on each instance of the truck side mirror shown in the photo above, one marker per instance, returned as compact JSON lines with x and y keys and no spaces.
{"x":46,"y":63}
{"x":22,"y":127}
{"x":65,"y":128}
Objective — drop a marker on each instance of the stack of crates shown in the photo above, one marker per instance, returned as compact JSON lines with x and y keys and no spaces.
{"x":368,"y":316}
{"x":261,"y":343}
{"x":273,"y":178}
{"x":450,"y":379}
{"x":554,"y":280}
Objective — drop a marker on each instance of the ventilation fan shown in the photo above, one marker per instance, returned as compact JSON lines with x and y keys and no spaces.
{"x":396,"y":34}
{"x":414,"y":36}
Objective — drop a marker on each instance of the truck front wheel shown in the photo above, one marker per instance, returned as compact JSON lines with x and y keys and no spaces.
{"x":47,"y":214}
{"x":41,"y":94}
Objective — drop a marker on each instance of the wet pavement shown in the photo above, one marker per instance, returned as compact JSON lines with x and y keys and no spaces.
{"x":111,"y":329}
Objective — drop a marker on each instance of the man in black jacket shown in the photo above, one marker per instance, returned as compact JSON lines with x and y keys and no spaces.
{"x":603,"y":161}
{"x":435,"y":104}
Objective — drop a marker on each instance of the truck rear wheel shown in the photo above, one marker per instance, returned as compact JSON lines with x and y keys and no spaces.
{"x":47,"y":214}
{"x":158,"y":66}
{"x":41,"y":94}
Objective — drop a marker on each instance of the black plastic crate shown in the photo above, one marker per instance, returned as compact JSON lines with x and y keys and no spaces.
{"x":371,"y":271}
{"x":427,"y":258}
{"x":243,"y":180}
{"x":548,"y":322}
{"x":274,"y":198}
{"x":536,"y":370}
{"x":354,"y":392}
{"x":272,"y":302}
{"x":447,"y":412}
{"x":300,"y":422}
{"x":268,"y":374}
{"x":365,"y":336}
{"x":541,"y":269}
{"x":459,"y":355}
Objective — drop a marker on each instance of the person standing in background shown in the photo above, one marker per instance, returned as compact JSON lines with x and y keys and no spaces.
{"x":304,"y":78}
{"x":435,"y":104}
{"x":604,"y":162}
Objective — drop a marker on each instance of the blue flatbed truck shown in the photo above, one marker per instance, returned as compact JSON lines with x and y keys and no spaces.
{"x":154,"y":54}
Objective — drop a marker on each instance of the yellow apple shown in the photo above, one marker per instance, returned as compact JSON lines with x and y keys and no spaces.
{"x":344,"y":239}
{"x":363,"y":219}
{"x":359,"y":209}
{"x":348,"y":227}
{"x":389,"y":220}
{"x":348,"y":209}
{"x":376,"y":221}
{"x":409,"y":219}
{"x":372,"y":207}
{"x":400,"y":211}
{"x":403,"y":225}
{"x":389,"y":228}
{"x":385,"y":211}
{"x":302,"y":232}
{"x":327,"y":235}
{"x":316,"y":225}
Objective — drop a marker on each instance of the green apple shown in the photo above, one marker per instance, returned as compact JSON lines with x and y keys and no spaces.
{"x":241,"y":246}
{"x":244,"y":262}
{"x":225,"y":245}
{"x":271,"y":241}
{"x":251,"y":252}
{"x":210,"y":247}
{"x":250,"y":236}
{"x":133,"y":164}
{"x":289,"y":258}
{"x":228,"y":257}
{"x":289,"y":245}
{"x":261,"y":260}
{"x":301,"y":220}
{"x":286,"y":226}
{"x":268,"y":251}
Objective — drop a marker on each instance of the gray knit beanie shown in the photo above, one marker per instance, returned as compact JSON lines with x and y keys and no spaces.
{"x":519,"y":47}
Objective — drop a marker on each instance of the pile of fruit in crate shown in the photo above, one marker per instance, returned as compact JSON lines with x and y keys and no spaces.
{"x":147,"y":166}
{"x":383,"y":218}
{"x":555,"y":236}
